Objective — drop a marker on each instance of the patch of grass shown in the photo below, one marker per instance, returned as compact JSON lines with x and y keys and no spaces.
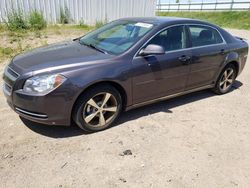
{"x":15,"y":42}
{"x":19,"y":46}
{"x":229,"y":19}
{"x":80,"y":27}
{"x":6,"y":52}
{"x":61,"y":29}
{"x":83,"y":25}
{"x":28,"y":47}
{"x":16,"y":20}
{"x":99,"y":24}
{"x":64,"y":15}
{"x":38,"y":34}
{"x":55,"y":29}
{"x":16,"y":34}
{"x":36,"y":20}
{"x":2,"y":28}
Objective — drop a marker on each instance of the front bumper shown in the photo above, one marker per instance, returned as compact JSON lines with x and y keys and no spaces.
{"x":52,"y":109}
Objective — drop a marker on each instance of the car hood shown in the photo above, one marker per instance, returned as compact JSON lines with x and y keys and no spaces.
{"x":58,"y":54}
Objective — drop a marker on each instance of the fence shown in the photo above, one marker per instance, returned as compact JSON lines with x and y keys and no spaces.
{"x":88,"y":11}
{"x":204,"y":6}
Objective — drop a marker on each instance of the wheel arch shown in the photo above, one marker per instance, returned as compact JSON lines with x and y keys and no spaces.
{"x":234,"y":62}
{"x":236,"y":65}
{"x":232,"y":58}
{"x":116,"y":85}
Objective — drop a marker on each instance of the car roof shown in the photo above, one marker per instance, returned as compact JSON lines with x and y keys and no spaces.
{"x":159,"y":20}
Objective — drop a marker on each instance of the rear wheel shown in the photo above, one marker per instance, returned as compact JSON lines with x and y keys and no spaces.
{"x":98,"y":108}
{"x":225,"y":80}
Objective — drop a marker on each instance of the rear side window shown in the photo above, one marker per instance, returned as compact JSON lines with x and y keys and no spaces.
{"x":203,"y":35}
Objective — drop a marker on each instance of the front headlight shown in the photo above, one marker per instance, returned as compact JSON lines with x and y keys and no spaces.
{"x":43,"y":84}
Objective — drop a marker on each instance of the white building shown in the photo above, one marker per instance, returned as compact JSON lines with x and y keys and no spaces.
{"x":88,"y":11}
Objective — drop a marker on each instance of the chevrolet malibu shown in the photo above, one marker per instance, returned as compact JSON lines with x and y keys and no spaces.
{"x":125,"y":64}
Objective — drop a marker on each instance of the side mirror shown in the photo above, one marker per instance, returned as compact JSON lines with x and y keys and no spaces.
{"x":152,"y":49}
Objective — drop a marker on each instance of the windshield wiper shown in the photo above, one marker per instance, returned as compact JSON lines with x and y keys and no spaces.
{"x":95,"y":47}
{"x":99,"y":49}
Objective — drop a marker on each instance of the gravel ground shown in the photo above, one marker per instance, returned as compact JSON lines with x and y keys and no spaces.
{"x":197,"y":140}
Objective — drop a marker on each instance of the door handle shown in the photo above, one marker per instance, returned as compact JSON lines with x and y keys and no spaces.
{"x":151,"y":64}
{"x":185,"y":59}
{"x":222,"y":51}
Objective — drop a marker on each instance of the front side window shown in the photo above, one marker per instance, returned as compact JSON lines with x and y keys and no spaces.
{"x":173,"y":38}
{"x":203,"y":35}
{"x":116,"y":37}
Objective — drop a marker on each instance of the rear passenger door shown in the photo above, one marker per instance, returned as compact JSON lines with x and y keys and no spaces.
{"x":208,"y":53}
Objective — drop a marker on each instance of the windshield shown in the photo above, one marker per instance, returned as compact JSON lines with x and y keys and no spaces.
{"x":116,"y":37}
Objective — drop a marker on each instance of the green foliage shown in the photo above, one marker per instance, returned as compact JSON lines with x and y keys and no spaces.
{"x":36,"y":20}
{"x":99,"y":24}
{"x":16,"y":20}
{"x":6,"y":52}
{"x":64,"y":15}
{"x":82,"y":24}
{"x":1,"y":27}
{"x":228,"y":19}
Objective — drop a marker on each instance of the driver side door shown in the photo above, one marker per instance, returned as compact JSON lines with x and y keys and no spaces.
{"x":157,"y":76}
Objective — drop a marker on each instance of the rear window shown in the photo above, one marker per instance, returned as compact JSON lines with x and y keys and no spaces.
{"x":203,"y":35}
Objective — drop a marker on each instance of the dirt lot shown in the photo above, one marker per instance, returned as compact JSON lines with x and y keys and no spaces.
{"x":198,"y":140}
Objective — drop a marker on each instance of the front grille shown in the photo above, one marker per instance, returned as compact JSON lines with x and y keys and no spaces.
{"x":11,"y":74}
{"x":7,"y":89}
{"x":9,"y":77}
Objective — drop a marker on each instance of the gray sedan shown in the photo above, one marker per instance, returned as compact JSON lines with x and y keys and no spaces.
{"x":123,"y":65}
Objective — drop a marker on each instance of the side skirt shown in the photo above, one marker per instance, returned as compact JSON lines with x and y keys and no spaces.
{"x":168,"y":97}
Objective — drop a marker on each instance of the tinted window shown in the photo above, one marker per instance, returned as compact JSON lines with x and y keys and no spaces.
{"x":173,"y":38}
{"x":202,"y":35}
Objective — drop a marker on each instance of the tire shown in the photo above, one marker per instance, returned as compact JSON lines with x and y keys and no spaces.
{"x":226,"y":79}
{"x":98,"y":108}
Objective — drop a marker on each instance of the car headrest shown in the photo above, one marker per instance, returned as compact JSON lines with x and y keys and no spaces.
{"x":206,"y":34}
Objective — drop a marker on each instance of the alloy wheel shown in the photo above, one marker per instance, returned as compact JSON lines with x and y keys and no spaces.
{"x":100,"y":109}
{"x":227,"y":79}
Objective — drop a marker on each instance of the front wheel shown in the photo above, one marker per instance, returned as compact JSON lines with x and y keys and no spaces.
{"x":98,"y":108}
{"x":225,"y":80}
